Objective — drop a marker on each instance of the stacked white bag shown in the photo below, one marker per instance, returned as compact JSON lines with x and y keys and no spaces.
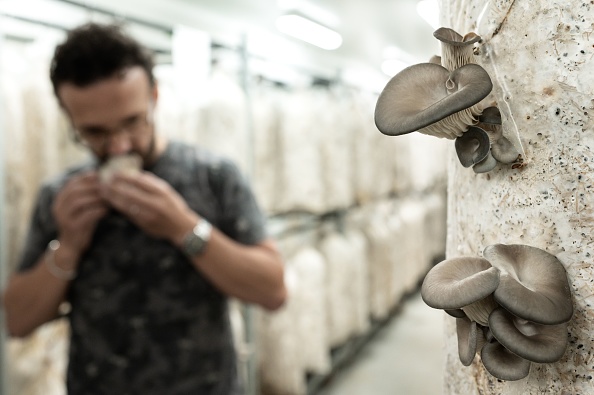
{"x":282,"y":368}
{"x":340,"y":278}
{"x":293,"y":341}
{"x":267,"y":118}
{"x":223,"y":120}
{"x":37,"y":364}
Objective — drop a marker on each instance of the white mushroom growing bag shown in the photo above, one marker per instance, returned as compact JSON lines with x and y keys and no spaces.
{"x":282,"y":367}
{"x":359,"y":281}
{"x":301,"y":187}
{"x":340,"y":274}
{"x":336,"y":137}
{"x":311,"y":313}
{"x":266,"y":128}
{"x":381,"y":266}
{"x":223,"y":122}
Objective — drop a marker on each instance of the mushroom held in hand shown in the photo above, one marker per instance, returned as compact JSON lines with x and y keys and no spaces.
{"x":126,"y":164}
{"x":430,"y":99}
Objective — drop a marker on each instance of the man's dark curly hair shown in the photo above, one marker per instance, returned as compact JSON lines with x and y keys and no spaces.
{"x":93,"y":52}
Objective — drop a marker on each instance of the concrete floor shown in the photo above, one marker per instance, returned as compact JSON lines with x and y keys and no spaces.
{"x":405,"y":357}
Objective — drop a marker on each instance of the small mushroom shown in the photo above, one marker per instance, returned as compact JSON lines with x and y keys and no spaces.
{"x":472,"y":147}
{"x":435,"y":59}
{"x":486,"y":165}
{"x":534,"y":342}
{"x":426,"y":97}
{"x":464,"y":283}
{"x":533,"y":283}
{"x":502,"y":363}
{"x":501,"y":148}
{"x":504,"y":151}
{"x":491,"y":116}
{"x":490,"y":122}
{"x":466,"y":331}
{"x":456,"y":50}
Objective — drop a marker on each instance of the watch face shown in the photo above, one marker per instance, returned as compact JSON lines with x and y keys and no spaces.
{"x":194,"y":244}
{"x":196,"y":240}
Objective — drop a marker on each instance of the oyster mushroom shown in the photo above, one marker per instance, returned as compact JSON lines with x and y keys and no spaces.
{"x":534,"y":342}
{"x":486,"y":165}
{"x":504,"y":151}
{"x":512,"y":305}
{"x":467,"y":332}
{"x":501,"y":148}
{"x":472,"y":147}
{"x":465,"y":283}
{"x":428,"y":98}
{"x":435,"y":59}
{"x":456,"y":50}
{"x":533,"y":284}
{"x":502,"y":363}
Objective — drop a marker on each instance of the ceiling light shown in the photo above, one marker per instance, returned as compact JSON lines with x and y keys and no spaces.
{"x":429,"y":11}
{"x":309,"y":31}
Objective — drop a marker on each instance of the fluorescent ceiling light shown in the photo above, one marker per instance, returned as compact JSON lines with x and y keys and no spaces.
{"x":429,"y":11}
{"x":309,"y":31}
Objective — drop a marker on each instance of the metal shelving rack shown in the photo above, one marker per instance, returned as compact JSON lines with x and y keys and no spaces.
{"x":3,"y":243}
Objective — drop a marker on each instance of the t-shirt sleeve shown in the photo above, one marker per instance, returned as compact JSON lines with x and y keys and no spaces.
{"x":242,"y":219}
{"x":41,"y":231}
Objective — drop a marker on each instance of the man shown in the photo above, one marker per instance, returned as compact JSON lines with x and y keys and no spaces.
{"x":146,"y":260}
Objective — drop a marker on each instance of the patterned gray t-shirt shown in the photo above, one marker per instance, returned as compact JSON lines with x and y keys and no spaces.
{"x":144,"y":320}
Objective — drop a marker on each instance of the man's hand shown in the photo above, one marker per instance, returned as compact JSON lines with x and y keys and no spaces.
{"x":152,"y":204}
{"x":78,"y":208}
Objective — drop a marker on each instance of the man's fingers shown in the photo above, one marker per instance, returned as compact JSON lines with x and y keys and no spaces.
{"x":144,"y":181}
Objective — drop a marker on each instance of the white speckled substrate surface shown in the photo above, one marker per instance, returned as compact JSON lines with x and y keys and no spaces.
{"x":540,"y":56}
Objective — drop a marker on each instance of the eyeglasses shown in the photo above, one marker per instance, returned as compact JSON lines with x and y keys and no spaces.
{"x":96,"y":137}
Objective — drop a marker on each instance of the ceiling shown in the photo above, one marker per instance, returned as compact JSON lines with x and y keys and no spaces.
{"x":367,"y":27}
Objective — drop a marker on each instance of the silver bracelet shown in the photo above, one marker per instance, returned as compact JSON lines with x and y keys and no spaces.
{"x":54,"y":269}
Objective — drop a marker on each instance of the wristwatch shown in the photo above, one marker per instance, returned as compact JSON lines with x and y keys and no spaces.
{"x":196,"y":240}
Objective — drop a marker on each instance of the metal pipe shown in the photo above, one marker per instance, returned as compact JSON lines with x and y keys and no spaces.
{"x":3,"y":244}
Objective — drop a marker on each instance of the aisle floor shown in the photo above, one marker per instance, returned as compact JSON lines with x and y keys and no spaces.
{"x":406,"y":356}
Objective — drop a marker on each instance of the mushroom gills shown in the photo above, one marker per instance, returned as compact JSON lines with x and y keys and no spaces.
{"x":417,"y":97}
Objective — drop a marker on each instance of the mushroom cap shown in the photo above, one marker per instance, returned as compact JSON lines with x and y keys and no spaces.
{"x":473,"y":146}
{"x":533,"y":283}
{"x":491,"y":115}
{"x":458,"y":282}
{"x":466,"y":331}
{"x":502,"y":363}
{"x":456,"y":313}
{"x":435,"y":59}
{"x":504,"y":151}
{"x":486,"y":165}
{"x":534,"y":342}
{"x":425,"y":93}
{"x":449,"y":36}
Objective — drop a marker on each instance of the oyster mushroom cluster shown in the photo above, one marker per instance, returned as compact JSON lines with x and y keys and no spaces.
{"x":512,"y":306}
{"x":443,"y":98}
